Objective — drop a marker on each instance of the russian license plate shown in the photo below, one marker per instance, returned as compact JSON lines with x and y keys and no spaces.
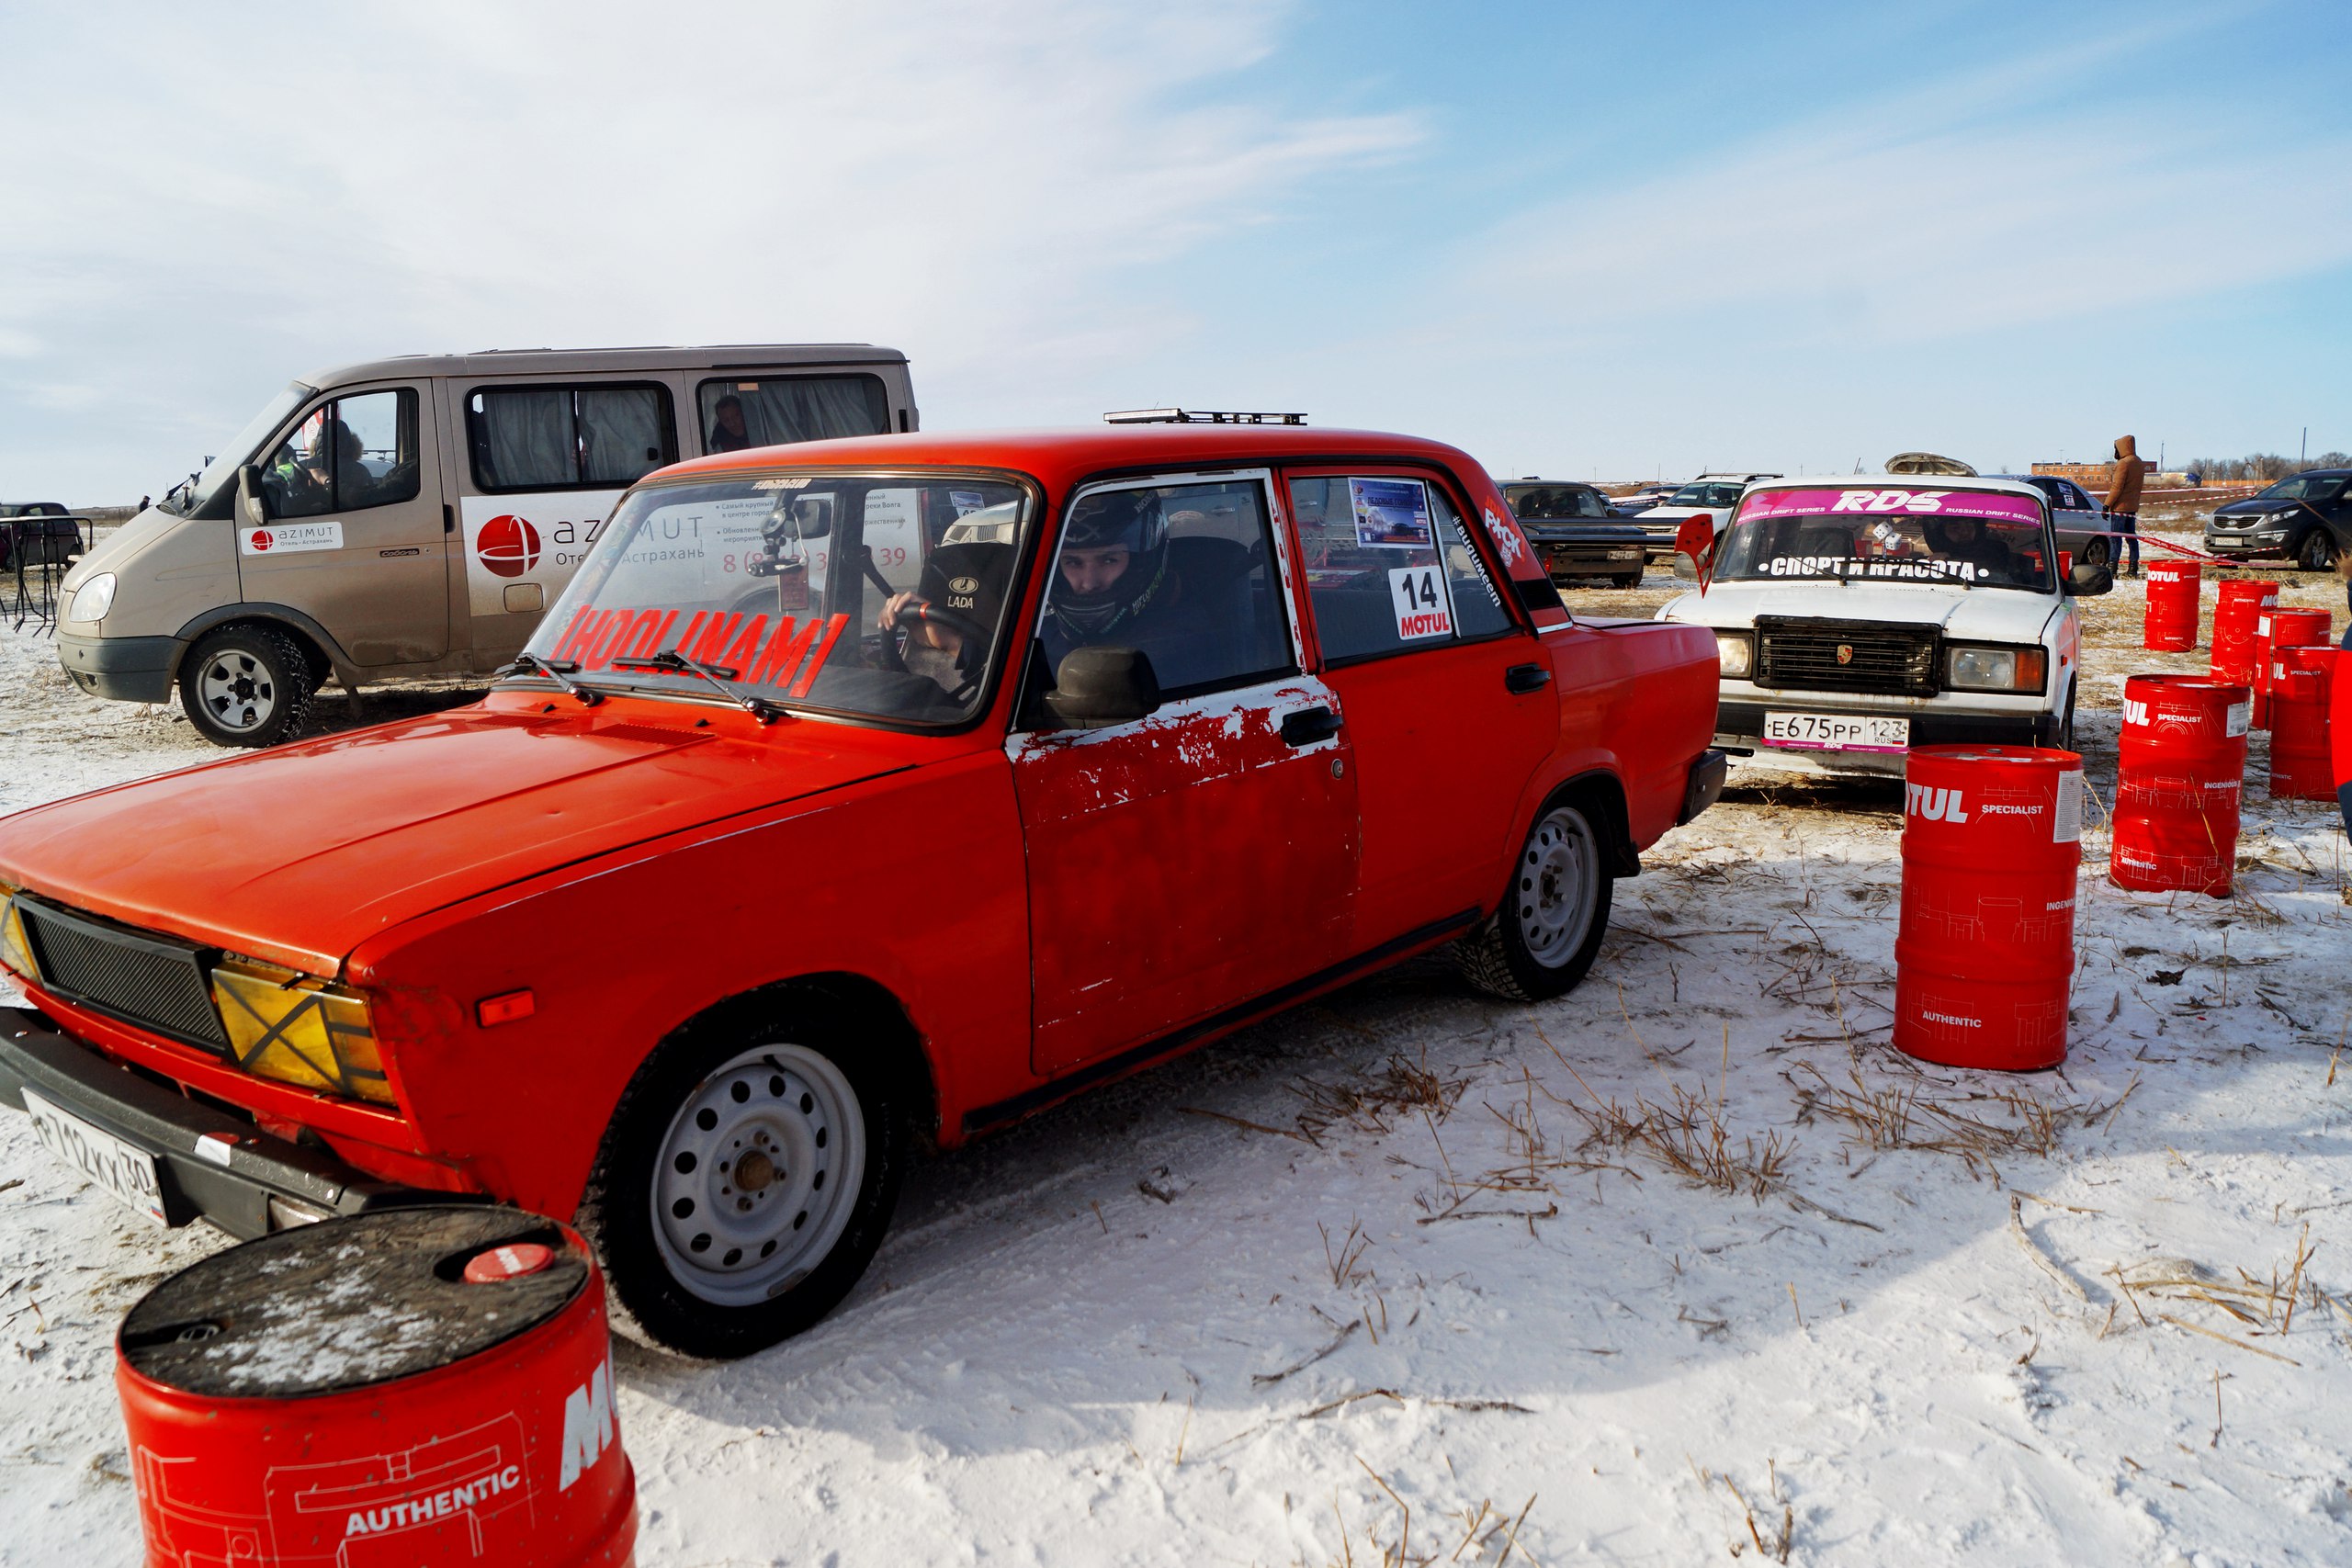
{"x":1836,"y":732}
{"x":129,"y":1174}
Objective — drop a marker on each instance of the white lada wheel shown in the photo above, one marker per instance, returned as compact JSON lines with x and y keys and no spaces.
{"x":757,"y":1174}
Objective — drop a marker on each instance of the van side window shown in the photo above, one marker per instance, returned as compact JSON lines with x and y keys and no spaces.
{"x":1388,"y":567}
{"x":590,"y":437}
{"x":347,"y":455}
{"x":738,"y":412}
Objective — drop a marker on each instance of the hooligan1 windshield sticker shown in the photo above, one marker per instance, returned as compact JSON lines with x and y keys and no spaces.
{"x":736,"y":641}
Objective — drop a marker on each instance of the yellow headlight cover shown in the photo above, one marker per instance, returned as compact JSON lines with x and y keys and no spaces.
{"x":299,"y":1030}
{"x":15,"y":953}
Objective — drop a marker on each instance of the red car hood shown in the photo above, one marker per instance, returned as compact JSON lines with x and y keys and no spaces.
{"x":297,"y":855}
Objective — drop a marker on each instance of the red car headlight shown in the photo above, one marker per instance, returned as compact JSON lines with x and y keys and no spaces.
{"x":299,"y":1030}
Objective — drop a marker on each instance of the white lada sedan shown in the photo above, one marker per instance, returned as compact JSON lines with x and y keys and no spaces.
{"x":1857,"y":618}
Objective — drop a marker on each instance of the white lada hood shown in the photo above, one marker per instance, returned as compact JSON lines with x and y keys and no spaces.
{"x":1966,"y":614}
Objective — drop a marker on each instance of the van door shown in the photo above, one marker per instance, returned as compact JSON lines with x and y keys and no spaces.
{"x":353,"y":537}
{"x":545,"y":460}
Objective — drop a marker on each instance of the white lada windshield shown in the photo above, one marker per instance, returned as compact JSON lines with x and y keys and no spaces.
{"x":1901,"y":534}
{"x":878,"y":595}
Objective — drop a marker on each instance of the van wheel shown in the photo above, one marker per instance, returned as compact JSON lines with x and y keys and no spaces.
{"x":247,"y":686}
{"x":1548,"y":931}
{"x":745,"y":1183}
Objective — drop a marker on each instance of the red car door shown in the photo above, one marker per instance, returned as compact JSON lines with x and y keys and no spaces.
{"x":1206,"y":854}
{"x":1449,"y":703}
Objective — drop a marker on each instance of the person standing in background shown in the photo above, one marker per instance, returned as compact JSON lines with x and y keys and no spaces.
{"x":2124,"y":498}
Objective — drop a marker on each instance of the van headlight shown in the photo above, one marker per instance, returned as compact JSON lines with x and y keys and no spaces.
{"x":1995,"y":668}
{"x":15,"y":953}
{"x":299,"y":1030}
{"x":93,"y":599}
{"x":1735,"y":653}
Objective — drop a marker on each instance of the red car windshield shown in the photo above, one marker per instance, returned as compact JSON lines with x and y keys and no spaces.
{"x":876,"y":595}
{"x":1898,"y":535}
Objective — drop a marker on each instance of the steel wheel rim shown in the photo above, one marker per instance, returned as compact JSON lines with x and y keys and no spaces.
{"x":237,"y":691}
{"x":758,"y":1174}
{"x":1554,"y":887}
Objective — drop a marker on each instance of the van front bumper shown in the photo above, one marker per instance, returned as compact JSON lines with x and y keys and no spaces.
{"x":121,"y":669}
{"x":266,"y":1184}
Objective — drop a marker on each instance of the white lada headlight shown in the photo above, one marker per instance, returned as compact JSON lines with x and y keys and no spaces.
{"x":93,"y":599}
{"x":1736,"y":653}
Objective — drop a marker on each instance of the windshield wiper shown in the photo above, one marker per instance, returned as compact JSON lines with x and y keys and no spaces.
{"x":670,"y":662}
{"x":557,"y":669}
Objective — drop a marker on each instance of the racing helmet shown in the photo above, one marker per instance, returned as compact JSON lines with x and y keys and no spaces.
{"x":1128,"y":518}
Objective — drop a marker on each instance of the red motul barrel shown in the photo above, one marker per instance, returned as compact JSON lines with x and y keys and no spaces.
{"x":1991,"y":845}
{"x":2240,"y":603}
{"x":2170,"y":626}
{"x":2302,"y":683}
{"x":411,"y":1388}
{"x":2273,"y":630}
{"x":2179,"y":770}
{"x":2339,"y":724}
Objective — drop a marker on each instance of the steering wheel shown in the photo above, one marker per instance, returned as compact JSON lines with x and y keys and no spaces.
{"x":973,"y":634}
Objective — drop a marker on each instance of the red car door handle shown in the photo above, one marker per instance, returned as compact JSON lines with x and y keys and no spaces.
{"x":1522,"y":678}
{"x":1307,"y":725}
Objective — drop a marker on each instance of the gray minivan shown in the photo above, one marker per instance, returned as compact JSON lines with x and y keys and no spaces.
{"x":416,"y":516}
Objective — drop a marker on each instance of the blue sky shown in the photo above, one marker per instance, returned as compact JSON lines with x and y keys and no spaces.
{"x":1574,"y":239}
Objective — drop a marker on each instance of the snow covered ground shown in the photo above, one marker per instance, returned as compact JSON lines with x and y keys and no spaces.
{"x":1686,"y":1265}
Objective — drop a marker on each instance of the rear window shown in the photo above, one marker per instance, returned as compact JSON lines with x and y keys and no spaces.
{"x":1554,"y":503}
{"x":741,"y":412}
{"x":602,"y":437}
{"x":1389,"y":567}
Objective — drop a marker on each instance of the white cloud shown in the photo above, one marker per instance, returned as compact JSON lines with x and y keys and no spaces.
{"x":252,"y":194}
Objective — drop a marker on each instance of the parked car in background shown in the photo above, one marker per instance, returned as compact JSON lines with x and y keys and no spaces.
{"x":37,"y":533}
{"x":2078,"y":520}
{"x":1709,"y":495}
{"x":1576,"y":532}
{"x":2306,"y":519}
{"x":1857,"y":618}
{"x":416,"y":516}
{"x":1181,"y":726}
{"x":1645,"y":498}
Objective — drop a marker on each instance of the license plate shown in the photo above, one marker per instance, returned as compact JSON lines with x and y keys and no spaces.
{"x":1836,"y":732}
{"x":129,"y":1174}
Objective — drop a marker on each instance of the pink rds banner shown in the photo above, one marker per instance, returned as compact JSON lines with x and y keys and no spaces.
{"x":1906,"y":500}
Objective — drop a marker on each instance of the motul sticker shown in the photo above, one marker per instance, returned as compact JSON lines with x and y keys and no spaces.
{"x":2066,"y":822}
{"x":289,"y":539}
{"x":1933,"y":805}
{"x":1419,"y":599}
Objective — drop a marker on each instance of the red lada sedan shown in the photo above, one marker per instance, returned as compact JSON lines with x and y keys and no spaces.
{"x":856,"y":793}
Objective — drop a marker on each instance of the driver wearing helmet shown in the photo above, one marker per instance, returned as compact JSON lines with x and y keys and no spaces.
{"x":1113,"y":584}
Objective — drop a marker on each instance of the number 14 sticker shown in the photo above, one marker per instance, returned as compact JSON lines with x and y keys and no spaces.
{"x":1419,"y":599}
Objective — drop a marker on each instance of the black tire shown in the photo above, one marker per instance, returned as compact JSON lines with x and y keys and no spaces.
{"x":724,"y":1303}
{"x":1530,"y":948}
{"x":2098,"y":552}
{"x":2065,"y":739}
{"x":247,"y":685}
{"x":2315,"y":551}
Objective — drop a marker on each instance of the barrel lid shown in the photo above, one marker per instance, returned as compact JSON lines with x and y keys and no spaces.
{"x":348,"y":1304}
{"x":1973,"y":751}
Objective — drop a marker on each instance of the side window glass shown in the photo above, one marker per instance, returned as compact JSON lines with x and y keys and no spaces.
{"x":527,"y":438}
{"x":346,"y":456}
{"x":771,"y":411}
{"x":1372,"y":564}
{"x":1590,"y":503}
{"x":1183,"y":573}
{"x":1477,"y":608}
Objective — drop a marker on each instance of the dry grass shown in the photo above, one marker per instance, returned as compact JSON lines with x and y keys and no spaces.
{"x":1978,"y":1126}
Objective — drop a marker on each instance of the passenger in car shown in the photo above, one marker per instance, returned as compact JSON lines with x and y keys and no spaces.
{"x":727,"y":432}
{"x":1964,"y":538}
{"x":1114,"y":585}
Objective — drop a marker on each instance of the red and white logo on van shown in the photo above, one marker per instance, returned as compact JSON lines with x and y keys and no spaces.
{"x":261,"y":539}
{"x":507,"y":546}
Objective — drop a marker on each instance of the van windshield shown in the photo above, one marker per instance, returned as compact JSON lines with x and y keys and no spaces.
{"x":1969,"y":539}
{"x":223,"y":470}
{"x":876,"y":595}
